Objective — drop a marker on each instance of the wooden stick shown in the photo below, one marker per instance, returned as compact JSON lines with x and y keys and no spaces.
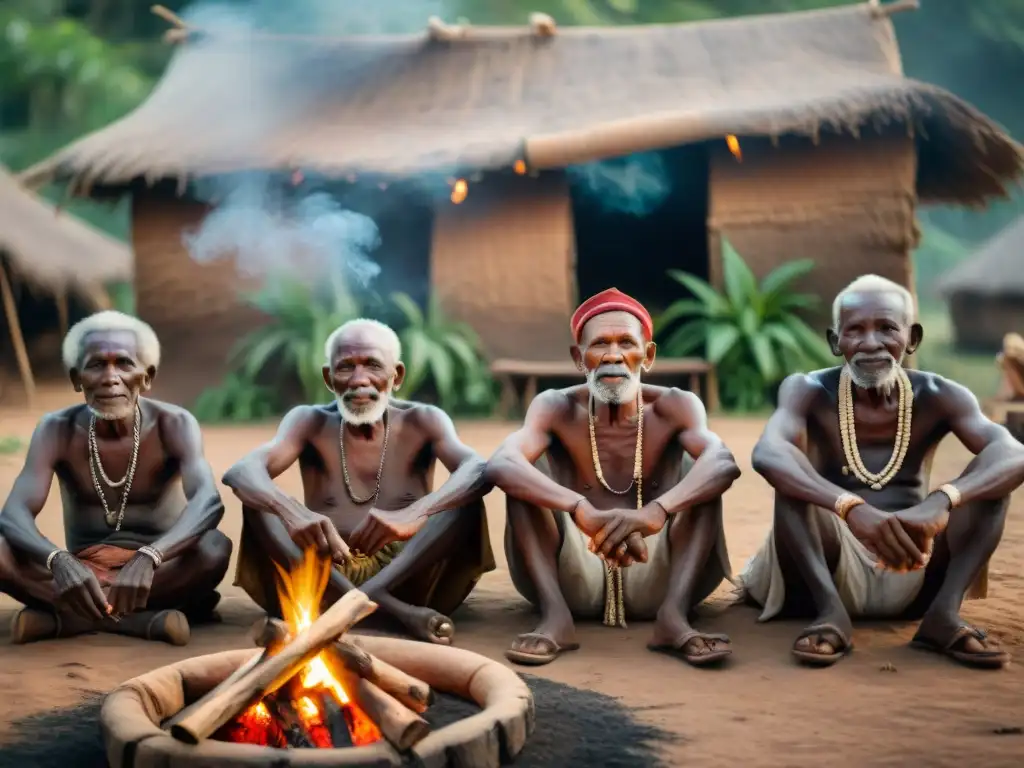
{"x":399,"y":724}
{"x":168,"y":15}
{"x":17,"y":338}
{"x":269,"y":632}
{"x":412,"y":692}
{"x":879,"y":10}
{"x":215,"y":709}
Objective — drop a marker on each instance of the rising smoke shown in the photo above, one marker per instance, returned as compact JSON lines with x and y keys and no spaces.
{"x":635,"y":185}
{"x":268,"y":223}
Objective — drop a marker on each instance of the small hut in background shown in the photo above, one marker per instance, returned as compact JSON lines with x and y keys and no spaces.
{"x":985,"y":293}
{"x":54,"y":259}
{"x":792,"y":135}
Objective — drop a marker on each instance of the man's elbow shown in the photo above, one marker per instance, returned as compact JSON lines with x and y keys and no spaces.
{"x":496,"y":469}
{"x":726,"y":466}
{"x":763,"y":459}
{"x":232,"y":478}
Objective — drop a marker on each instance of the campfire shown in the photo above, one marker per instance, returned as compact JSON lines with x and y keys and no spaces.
{"x":311,"y":687}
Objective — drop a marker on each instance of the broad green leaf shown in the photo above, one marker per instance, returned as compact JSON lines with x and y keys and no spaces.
{"x":778,"y":279}
{"x":409,"y":309}
{"x":764,"y":356}
{"x":678,"y":310}
{"x":782,"y":336}
{"x":415,"y":346}
{"x":748,"y":321}
{"x":716,"y":303}
{"x":443,"y":372}
{"x":686,"y":339}
{"x":815,"y":347}
{"x":740,"y":283}
{"x":721,"y":338}
{"x":463,"y":351}
{"x":260,"y":352}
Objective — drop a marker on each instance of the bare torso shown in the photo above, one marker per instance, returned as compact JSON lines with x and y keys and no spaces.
{"x":156,"y":499}
{"x":876,"y":433}
{"x":570,"y":456}
{"x":408,"y":473}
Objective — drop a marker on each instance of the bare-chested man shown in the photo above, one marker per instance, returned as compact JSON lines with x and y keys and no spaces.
{"x":857,"y":529}
{"x":367,"y":464}
{"x":577,"y":545}
{"x":141,"y":505}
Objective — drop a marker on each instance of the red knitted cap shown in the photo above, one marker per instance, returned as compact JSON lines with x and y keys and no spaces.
{"x":611,"y":300}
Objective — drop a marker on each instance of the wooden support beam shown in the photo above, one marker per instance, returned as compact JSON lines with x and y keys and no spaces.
{"x":17,"y":338}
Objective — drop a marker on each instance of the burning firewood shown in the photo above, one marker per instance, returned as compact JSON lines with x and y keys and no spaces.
{"x":413,"y":693}
{"x":269,"y":674}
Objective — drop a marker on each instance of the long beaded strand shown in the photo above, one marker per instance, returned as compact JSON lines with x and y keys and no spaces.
{"x":614,"y":594}
{"x":114,"y":519}
{"x":848,"y":432}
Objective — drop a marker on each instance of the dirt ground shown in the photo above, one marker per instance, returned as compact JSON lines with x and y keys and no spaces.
{"x":884,"y":705}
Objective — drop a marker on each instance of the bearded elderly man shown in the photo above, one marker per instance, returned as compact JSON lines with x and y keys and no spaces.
{"x":858,"y":530}
{"x":367,"y":463}
{"x":606,"y":516}
{"x":143,"y":554}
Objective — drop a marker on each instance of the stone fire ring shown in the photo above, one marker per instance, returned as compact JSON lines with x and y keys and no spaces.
{"x":131,"y":714}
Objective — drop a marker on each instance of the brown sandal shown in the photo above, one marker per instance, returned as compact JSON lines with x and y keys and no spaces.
{"x":676,"y":648}
{"x":814,"y":659}
{"x":554,"y":650}
{"x":990,"y":658}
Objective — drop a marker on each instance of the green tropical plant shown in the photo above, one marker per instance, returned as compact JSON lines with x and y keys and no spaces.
{"x":237,"y":399}
{"x":752,"y":332}
{"x":303,"y":316}
{"x":9,"y":445}
{"x":445,"y":353}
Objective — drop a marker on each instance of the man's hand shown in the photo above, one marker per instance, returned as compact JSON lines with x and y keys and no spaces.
{"x":646,"y":522}
{"x":882,"y":533}
{"x":925,"y":521}
{"x":380,"y":528}
{"x":77,"y":587}
{"x":130,"y":590}
{"x":312,"y":530}
{"x":592,"y":521}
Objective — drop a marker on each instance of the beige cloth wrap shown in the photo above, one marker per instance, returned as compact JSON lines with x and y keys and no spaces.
{"x":867,"y":589}
{"x":581,"y":573}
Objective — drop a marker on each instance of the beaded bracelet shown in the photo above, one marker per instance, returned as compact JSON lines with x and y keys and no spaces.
{"x":50,"y":557}
{"x":952,"y":493}
{"x":152,"y":554}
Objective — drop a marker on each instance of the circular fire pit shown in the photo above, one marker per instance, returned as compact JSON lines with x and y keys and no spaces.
{"x":132,"y":714}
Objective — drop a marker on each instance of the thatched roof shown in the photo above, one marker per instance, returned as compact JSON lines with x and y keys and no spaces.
{"x":401,"y":105}
{"x":996,"y":269}
{"x":55,"y":250}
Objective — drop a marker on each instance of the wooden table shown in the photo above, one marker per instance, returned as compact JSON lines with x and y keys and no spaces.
{"x":509,"y":371}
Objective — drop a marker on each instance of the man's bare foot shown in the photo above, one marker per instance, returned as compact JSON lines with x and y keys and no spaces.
{"x":552,"y":637}
{"x":959,"y":641}
{"x":674,"y":635}
{"x":31,"y":625}
{"x":429,"y":625}
{"x":825,"y":641}
{"x":164,"y":626}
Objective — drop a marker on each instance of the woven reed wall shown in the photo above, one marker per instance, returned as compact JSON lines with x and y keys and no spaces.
{"x":848,"y":204}
{"x":980,"y":322}
{"x":503,"y":261}
{"x":194,"y":308}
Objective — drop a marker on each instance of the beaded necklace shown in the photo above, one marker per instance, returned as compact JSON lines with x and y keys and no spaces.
{"x":848,"y":432}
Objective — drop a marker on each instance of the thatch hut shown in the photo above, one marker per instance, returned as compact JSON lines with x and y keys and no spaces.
{"x":836,"y":149}
{"x":985,"y":293}
{"x":61,"y":260}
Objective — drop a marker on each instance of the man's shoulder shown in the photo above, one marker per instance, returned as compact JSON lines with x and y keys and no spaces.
{"x":801,"y":390}
{"x":418,"y":415}
{"x":937,"y":388}
{"x":56,"y":422}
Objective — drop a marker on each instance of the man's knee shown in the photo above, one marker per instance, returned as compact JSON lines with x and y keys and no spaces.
{"x":213,"y":553}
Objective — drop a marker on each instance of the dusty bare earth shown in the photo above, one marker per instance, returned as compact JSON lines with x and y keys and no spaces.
{"x":884,"y":705}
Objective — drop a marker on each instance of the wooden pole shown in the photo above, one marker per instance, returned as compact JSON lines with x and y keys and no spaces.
{"x":17,"y":338}
{"x":879,"y":10}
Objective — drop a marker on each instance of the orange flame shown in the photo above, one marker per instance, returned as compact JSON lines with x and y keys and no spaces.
{"x":734,"y":146}
{"x":459,"y":191}
{"x":519,"y":167}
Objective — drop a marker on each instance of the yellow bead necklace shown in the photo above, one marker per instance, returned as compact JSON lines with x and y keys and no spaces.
{"x":848,"y":432}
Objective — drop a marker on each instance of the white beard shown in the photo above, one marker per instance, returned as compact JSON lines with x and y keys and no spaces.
{"x":883,"y":383}
{"x":614,"y":394}
{"x":371,"y":414}
{"x":116,"y":413}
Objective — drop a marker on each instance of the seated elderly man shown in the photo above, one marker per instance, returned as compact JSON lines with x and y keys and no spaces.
{"x":143,"y":554}
{"x":367,"y":463}
{"x":605,"y":515}
{"x":857,"y":531}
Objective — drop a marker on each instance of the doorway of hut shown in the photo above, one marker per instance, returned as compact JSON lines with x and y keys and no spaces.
{"x":637,"y":217}
{"x":403,"y":215}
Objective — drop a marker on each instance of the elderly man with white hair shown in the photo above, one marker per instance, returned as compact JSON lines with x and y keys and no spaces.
{"x":142,"y":555}
{"x":615,"y":496}
{"x":367,"y":462}
{"x":859,"y":530}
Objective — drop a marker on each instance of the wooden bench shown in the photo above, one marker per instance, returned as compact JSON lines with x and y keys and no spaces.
{"x":508,"y":371}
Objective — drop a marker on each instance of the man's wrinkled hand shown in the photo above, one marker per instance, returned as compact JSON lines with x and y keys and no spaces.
{"x":380,"y":528}
{"x":130,"y":591}
{"x":925,"y":521}
{"x":613,"y":540}
{"x":884,"y":535}
{"x":77,"y":588}
{"x":311,"y":530}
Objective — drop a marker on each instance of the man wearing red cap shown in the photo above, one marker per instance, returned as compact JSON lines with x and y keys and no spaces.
{"x":606,"y":514}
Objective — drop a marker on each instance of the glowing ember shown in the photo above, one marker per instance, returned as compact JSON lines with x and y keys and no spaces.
{"x":459,"y":191}
{"x":734,"y":146}
{"x":300,"y":714}
{"x":520,"y":167}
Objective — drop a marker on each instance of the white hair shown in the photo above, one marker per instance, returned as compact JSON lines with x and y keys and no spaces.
{"x":146,"y":342}
{"x":873,"y":284}
{"x":387,"y":337}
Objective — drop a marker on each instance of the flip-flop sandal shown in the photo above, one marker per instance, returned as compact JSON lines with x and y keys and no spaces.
{"x":822,"y":659}
{"x":987,"y":659}
{"x":694,"y":659}
{"x":537,"y":659}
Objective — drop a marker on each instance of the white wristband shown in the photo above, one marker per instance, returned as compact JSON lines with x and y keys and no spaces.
{"x":50,"y":557}
{"x":152,"y":554}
